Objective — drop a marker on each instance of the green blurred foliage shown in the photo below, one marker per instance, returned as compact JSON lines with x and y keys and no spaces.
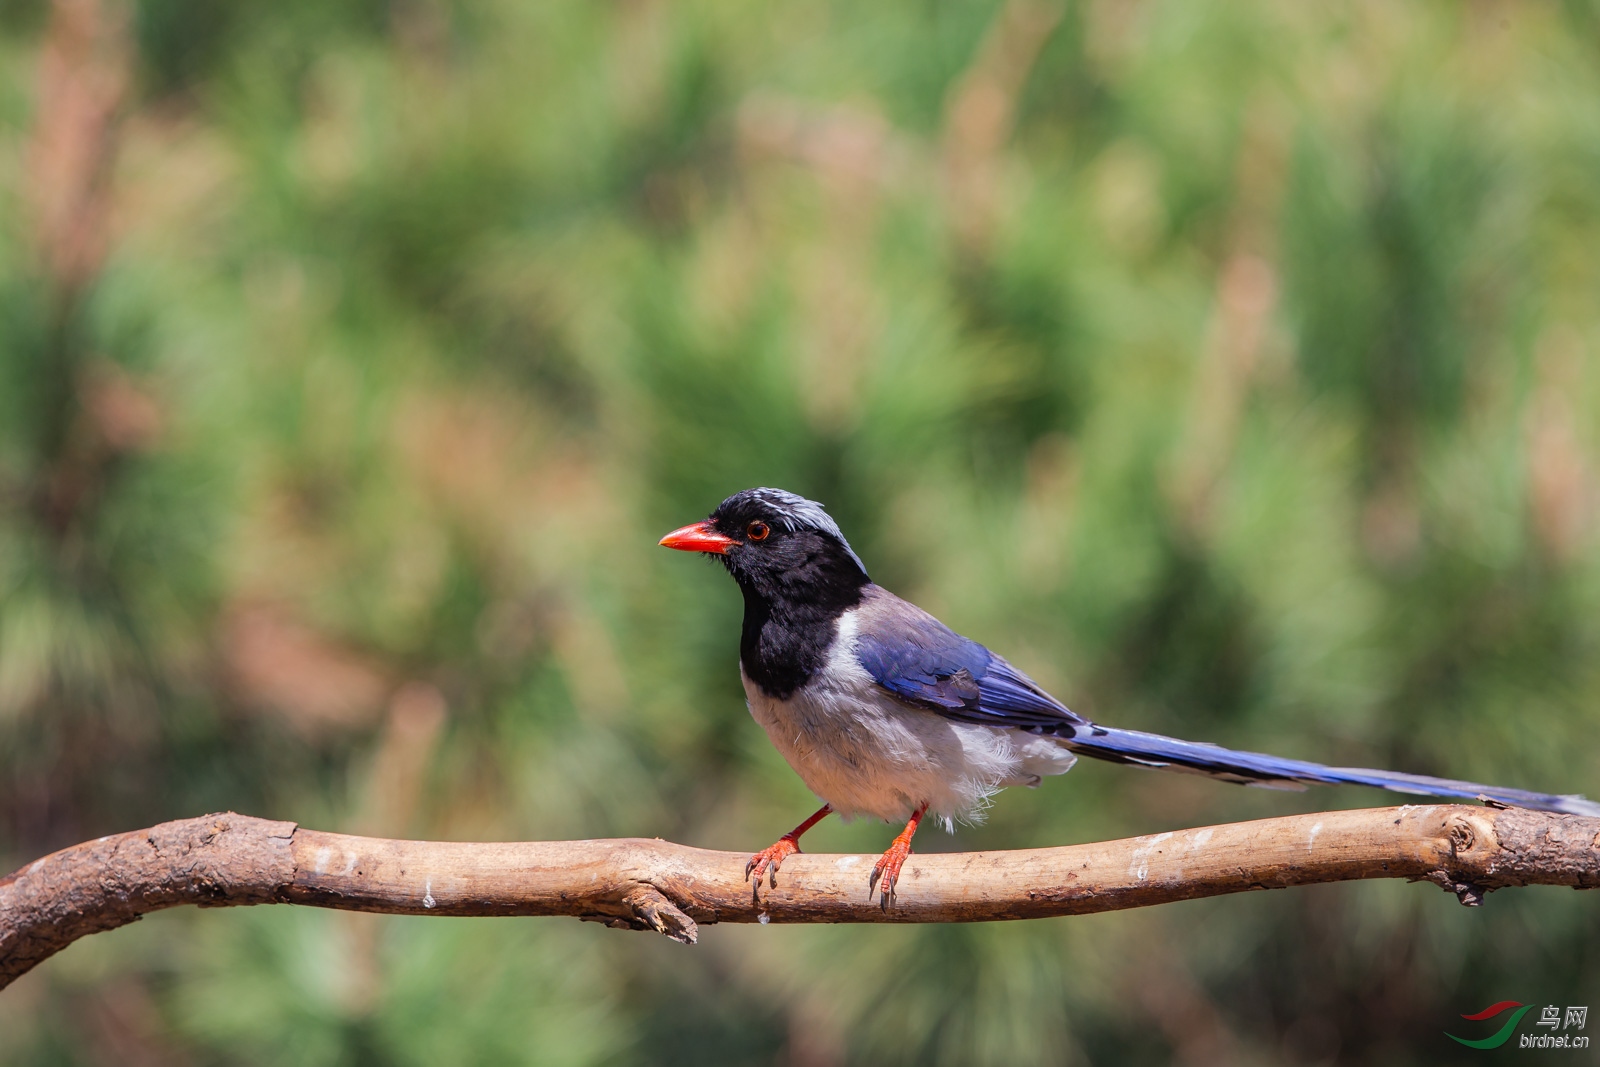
{"x":1230,"y":366}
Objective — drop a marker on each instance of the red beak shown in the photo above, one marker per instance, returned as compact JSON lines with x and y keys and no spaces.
{"x":698,"y":537}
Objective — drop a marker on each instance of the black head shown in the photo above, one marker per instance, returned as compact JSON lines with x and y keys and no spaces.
{"x":798,"y":576}
{"x":779,"y":547}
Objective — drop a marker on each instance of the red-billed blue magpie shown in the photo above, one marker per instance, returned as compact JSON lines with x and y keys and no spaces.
{"x":884,"y":711}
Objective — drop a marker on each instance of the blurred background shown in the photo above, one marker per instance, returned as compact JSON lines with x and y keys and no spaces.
{"x":1231,"y":366}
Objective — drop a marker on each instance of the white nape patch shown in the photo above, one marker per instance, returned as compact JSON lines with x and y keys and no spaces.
{"x":795,"y":512}
{"x":866,"y":753}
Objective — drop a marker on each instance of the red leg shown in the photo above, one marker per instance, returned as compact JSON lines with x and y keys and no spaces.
{"x":770,"y":857}
{"x":887,"y":870}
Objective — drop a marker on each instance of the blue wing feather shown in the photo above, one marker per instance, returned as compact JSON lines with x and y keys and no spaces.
{"x":922,"y":661}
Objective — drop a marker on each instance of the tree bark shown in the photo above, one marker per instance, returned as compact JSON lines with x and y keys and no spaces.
{"x":225,"y":860}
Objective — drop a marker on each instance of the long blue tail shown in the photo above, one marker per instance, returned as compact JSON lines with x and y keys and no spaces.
{"x":1276,"y":772}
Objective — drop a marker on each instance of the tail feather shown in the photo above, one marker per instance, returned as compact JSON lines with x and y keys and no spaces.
{"x":1277,"y":772}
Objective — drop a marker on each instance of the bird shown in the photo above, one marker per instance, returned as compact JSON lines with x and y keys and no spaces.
{"x":885,"y":712}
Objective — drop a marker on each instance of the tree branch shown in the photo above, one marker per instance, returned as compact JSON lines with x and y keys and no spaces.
{"x":226,"y":860}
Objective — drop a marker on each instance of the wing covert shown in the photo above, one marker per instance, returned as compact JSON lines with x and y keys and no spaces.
{"x":922,"y":661}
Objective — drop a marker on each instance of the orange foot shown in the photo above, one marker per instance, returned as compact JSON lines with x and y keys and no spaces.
{"x":887,"y":870}
{"x":768,"y":859}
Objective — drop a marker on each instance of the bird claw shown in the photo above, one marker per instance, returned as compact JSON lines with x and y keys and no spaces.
{"x":768,"y":860}
{"x":886,"y":872}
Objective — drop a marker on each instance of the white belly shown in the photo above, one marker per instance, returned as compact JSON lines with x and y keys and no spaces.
{"x":866,"y":753}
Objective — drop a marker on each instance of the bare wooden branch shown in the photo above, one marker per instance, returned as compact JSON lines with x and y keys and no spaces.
{"x":225,"y":860}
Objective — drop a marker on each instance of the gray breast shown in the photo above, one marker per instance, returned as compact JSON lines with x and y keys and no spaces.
{"x":865,"y":752}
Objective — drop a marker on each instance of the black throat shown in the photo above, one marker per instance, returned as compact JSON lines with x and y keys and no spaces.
{"x":790,"y":621}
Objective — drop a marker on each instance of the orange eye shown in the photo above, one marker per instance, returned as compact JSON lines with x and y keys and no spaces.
{"x":757,"y":531}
